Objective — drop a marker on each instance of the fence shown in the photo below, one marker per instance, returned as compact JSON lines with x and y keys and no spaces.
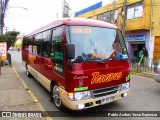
{"x":147,"y":66}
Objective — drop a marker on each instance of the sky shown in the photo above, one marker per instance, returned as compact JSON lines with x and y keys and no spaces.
{"x":38,"y":13}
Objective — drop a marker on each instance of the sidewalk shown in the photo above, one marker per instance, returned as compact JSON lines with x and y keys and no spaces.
{"x":144,"y":74}
{"x":14,"y":94}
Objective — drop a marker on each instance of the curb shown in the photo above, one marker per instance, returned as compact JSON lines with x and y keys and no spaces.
{"x":32,"y":95}
{"x":143,"y":74}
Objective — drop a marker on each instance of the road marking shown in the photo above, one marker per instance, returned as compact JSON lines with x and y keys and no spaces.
{"x":32,"y":95}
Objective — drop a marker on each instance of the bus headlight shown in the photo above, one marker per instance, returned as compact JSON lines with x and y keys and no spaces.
{"x":82,"y":95}
{"x":125,"y":86}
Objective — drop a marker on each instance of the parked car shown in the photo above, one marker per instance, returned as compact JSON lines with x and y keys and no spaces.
{"x":157,"y":71}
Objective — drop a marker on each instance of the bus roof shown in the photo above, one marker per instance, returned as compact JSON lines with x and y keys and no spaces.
{"x":73,"y":21}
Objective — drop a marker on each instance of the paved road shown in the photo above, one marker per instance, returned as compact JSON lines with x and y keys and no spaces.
{"x":143,"y":96}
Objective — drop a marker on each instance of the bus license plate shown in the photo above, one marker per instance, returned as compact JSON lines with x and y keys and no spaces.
{"x":107,"y":100}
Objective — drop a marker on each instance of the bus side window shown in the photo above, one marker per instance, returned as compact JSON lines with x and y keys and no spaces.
{"x":57,"y":49}
{"x":58,"y":53}
{"x":38,"y":40}
{"x":46,"y":44}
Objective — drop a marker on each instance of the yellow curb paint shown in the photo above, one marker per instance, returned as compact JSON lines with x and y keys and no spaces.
{"x":16,"y":73}
{"x":26,"y":87}
{"x":32,"y":95}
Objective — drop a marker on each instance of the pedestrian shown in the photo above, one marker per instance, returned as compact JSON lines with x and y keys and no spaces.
{"x":18,"y":50}
{"x":143,"y":56}
{"x":140,"y":57}
{"x":145,"y":53}
{"x":140,"y":53}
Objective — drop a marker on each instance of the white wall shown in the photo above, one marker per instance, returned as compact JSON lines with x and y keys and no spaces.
{"x":151,"y":50}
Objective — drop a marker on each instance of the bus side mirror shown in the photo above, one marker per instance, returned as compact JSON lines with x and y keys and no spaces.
{"x":70,"y":51}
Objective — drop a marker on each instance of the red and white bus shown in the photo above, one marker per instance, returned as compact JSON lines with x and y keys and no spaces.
{"x":83,"y":63}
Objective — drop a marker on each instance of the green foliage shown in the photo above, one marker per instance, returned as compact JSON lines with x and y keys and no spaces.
{"x":9,"y":37}
{"x":26,"y":41}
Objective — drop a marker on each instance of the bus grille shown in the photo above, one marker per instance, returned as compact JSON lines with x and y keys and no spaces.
{"x":105,"y":91}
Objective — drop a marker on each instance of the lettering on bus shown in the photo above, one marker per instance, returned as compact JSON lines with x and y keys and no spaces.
{"x":79,"y":30}
{"x":128,"y":77}
{"x":81,"y":88}
{"x":101,"y":78}
{"x":80,"y":77}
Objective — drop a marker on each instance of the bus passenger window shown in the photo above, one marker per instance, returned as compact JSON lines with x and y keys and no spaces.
{"x":58,"y":54}
{"x":57,"y":46}
{"x":46,"y":44}
{"x":38,"y":40}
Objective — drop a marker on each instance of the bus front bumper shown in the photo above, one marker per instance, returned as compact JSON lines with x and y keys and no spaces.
{"x":92,"y":102}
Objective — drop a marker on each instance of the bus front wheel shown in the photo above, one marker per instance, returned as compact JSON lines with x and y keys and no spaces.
{"x":56,"y":98}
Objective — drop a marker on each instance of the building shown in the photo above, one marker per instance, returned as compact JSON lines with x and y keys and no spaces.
{"x":155,"y":27}
{"x":139,"y":18}
{"x":63,"y":10}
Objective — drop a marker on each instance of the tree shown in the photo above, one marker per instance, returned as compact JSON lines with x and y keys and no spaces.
{"x":9,"y":37}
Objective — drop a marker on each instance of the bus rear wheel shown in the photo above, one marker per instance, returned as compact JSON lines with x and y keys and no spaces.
{"x":56,"y":98}
{"x":27,"y":72}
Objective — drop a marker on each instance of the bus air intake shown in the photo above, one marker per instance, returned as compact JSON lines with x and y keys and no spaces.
{"x":105,"y":91}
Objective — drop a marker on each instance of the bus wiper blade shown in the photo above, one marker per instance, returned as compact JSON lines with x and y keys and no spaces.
{"x":124,"y":59}
{"x":100,"y":61}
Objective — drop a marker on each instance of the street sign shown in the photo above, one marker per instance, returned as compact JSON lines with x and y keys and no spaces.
{"x":3,"y":51}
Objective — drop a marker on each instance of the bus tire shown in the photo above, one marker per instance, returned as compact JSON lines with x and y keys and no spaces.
{"x":27,"y":72}
{"x":56,"y":98}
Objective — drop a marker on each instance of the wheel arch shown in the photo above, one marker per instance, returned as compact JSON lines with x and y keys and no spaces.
{"x":53,"y":82}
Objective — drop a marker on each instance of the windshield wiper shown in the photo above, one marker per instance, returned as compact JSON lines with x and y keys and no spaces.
{"x":124,"y":59}
{"x":99,"y":61}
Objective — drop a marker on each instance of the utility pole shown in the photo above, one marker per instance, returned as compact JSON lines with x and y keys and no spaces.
{"x":6,"y":29}
{"x":124,"y":15}
{"x":57,"y":15}
{"x":151,"y":17}
{"x":3,"y":5}
{"x":1,"y":15}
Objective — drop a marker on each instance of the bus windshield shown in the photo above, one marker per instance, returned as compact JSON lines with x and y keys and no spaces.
{"x":96,"y":43}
